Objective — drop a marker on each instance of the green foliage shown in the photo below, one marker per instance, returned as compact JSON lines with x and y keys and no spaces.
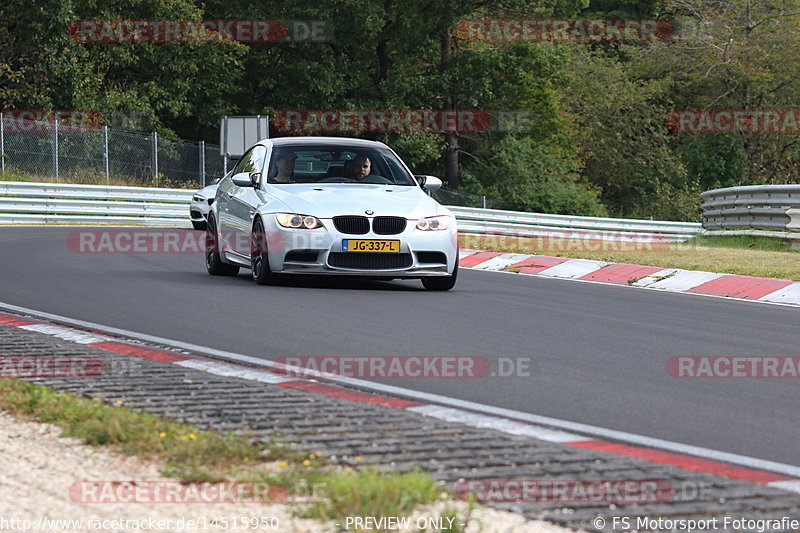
{"x":627,"y":149}
{"x":714,"y":160}
{"x":373,"y":493}
{"x":532,"y":176}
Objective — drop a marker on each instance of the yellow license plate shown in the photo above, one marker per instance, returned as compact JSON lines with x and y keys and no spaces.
{"x":358,"y":245}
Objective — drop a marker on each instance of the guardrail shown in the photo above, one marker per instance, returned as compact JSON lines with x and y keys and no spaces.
{"x":761,"y":210}
{"x":37,"y":203}
{"x":517,"y":223}
{"x":34,"y":203}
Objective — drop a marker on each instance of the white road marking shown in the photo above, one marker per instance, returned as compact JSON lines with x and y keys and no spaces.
{"x":793,"y":486}
{"x":574,"y":268}
{"x":501,"y":424}
{"x":66,"y":333}
{"x":655,"y":277}
{"x":224,"y":369}
{"x":787,"y":295}
{"x":500,"y":262}
{"x":682,"y":280}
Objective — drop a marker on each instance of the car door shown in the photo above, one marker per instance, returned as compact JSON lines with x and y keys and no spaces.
{"x":240,"y":204}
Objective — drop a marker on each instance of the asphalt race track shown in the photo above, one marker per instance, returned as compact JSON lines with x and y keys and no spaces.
{"x":598,"y":352}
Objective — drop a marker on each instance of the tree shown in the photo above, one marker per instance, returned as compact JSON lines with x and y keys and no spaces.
{"x":736,"y":55}
{"x":627,"y":149}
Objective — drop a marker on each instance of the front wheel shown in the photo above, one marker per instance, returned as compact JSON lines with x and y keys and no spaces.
{"x":259,"y":256}
{"x":214,"y":263}
{"x":442,"y":283}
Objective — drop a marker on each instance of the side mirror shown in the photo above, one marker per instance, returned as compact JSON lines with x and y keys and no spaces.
{"x":429,"y":183}
{"x":246,"y":179}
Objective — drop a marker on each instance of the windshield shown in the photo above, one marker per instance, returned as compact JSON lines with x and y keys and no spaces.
{"x":336,"y":164}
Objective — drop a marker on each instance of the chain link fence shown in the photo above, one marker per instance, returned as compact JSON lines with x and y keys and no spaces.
{"x":57,"y":152}
{"x":103,"y":155}
{"x":462,"y":199}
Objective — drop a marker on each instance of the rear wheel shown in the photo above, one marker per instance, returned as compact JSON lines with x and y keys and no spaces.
{"x":442,"y":283}
{"x":214,"y":263}
{"x":259,"y":256}
{"x":199,"y":224}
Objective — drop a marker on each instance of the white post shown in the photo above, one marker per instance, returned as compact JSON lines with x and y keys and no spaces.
{"x":55,"y":148}
{"x":224,"y":145}
{"x":202,"y":167}
{"x":2,"y":144}
{"x":105,"y":152}
{"x":155,"y":156}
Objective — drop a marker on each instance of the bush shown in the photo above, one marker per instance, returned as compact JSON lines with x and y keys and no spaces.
{"x":532,"y":176}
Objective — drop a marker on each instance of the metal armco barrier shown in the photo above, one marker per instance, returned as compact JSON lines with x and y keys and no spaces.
{"x":35,"y":203}
{"x":498,"y":222}
{"x":761,"y":210}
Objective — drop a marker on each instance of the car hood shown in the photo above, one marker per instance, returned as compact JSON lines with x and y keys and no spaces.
{"x":208,"y":191}
{"x":332,"y":199}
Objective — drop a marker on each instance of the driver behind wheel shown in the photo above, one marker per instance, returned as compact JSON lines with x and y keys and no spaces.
{"x":284,"y":168}
{"x":359,"y":168}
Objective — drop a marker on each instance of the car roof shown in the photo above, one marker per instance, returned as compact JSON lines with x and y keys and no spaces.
{"x":322,"y":141}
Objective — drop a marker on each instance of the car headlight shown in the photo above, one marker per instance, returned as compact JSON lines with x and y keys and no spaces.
{"x":434,"y":223}
{"x":293,"y":220}
{"x":198,"y":198}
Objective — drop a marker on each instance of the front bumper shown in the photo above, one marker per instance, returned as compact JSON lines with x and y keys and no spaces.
{"x":198,"y":211}
{"x":327,"y":240}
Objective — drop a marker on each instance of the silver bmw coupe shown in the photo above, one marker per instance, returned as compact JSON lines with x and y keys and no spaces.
{"x":334,"y":206}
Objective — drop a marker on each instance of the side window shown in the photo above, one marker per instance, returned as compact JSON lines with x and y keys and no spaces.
{"x":257,"y":159}
{"x":252,"y":161}
{"x":243,"y":164}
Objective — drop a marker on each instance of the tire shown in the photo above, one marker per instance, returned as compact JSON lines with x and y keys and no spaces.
{"x":442,"y":283}
{"x":199,"y":224}
{"x":259,"y":255}
{"x":214,"y":263}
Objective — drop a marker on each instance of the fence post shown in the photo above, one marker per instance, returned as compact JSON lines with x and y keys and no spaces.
{"x":224,"y":145}
{"x":155,"y":156}
{"x":2,"y":144}
{"x":483,"y":201}
{"x":55,"y":148}
{"x":203,"y":163}
{"x":105,"y":152}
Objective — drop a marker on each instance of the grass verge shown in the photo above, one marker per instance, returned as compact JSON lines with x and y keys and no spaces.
{"x":194,"y":455}
{"x":745,"y":255}
{"x":96,"y":177}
